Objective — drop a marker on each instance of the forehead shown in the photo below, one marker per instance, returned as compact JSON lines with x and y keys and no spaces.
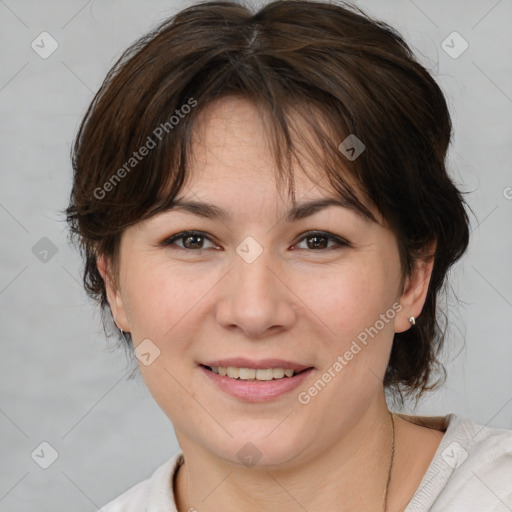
{"x":232,"y":155}
{"x":230,"y":138}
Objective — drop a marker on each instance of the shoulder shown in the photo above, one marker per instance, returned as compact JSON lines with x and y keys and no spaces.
{"x":471,"y":470}
{"x":132,"y":500}
{"x":478,"y":449}
{"x":481,"y":454}
{"x":154,"y":493}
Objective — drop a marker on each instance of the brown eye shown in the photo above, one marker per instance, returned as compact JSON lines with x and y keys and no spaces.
{"x":190,"y":240}
{"x":320,"y":241}
{"x":317,"y":242}
{"x":193,"y":241}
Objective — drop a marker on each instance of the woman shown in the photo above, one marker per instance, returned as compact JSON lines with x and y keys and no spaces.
{"x":269,"y":327}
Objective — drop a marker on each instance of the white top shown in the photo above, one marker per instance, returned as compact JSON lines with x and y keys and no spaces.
{"x":471,"y":472}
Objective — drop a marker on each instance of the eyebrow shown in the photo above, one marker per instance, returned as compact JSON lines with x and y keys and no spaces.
{"x":297,"y":212}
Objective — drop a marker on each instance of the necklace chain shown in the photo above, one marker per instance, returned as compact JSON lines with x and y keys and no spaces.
{"x":391,"y":461}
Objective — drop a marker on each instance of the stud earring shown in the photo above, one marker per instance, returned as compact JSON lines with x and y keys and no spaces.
{"x":412,"y":321}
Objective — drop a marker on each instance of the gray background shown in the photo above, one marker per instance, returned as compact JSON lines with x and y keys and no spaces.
{"x":60,"y":382}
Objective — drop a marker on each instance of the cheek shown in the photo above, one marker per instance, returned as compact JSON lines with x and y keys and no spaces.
{"x":356,"y":305}
{"x":348,"y":299}
{"x":155,"y":295}
{"x":162,"y":302}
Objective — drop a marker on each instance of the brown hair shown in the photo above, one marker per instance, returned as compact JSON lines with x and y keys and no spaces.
{"x":342,"y":72}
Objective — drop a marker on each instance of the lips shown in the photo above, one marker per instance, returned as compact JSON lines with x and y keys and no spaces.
{"x":243,"y":362}
{"x":254,"y":391}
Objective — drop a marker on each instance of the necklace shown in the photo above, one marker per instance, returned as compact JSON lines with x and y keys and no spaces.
{"x":391,"y":462}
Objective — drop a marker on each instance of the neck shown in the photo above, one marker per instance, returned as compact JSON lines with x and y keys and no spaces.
{"x":351,"y":474}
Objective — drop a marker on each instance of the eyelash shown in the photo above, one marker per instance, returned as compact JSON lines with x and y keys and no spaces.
{"x":169,"y":242}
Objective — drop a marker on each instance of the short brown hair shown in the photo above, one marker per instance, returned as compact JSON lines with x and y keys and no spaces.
{"x":342,"y":71}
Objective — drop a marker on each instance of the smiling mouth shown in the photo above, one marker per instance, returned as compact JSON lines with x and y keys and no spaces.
{"x":251,"y":374}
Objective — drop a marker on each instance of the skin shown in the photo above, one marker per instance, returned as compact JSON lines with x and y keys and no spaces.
{"x":303,"y":304}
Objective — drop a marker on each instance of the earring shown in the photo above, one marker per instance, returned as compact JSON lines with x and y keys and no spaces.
{"x":124,"y":337}
{"x":412,"y":321}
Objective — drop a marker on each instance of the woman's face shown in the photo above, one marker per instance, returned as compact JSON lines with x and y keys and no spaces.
{"x":258,"y":285}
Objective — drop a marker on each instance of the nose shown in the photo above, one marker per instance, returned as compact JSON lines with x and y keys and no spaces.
{"x":256,"y":299}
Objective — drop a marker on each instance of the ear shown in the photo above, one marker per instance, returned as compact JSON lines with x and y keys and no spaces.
{"x":415,"y":290}
{"x":114,"y":296}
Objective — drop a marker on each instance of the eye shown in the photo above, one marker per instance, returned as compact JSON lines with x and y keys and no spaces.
{"x":319,"y":240}
{"x":193,"y":240}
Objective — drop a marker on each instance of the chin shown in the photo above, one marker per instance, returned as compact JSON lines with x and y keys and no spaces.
{"x":261,"y":450}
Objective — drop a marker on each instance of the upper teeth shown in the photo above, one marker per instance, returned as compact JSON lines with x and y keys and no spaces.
{"x":252,"y":373}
